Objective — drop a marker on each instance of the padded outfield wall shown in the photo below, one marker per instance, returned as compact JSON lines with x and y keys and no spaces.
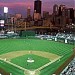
{"x":27,"y":33}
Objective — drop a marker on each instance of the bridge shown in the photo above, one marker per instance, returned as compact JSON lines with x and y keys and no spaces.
{"x":27,"y":27}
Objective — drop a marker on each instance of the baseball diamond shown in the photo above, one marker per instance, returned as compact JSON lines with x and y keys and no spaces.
{"x":33,"y":56}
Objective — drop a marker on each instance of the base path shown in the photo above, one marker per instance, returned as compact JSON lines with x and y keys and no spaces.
{"x":15,"y":54}
{"x":8,"y":56}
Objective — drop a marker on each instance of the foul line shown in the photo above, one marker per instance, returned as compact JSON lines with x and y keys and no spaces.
{"x":48,"y":64}
{"x":13,"y":64}
{"x":27,"y":72}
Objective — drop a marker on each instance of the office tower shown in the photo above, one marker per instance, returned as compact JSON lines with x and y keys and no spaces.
{"x":29,"y":17}
{"x":74,"y":16}
{"x":55,"y":9}
{"x":37,"y":10}
{"x":18,"y":16}
{"x":74,"y":13}
{"x":71,"y":14}
{"x":28,"y":12}
{"x":55,"y":14}
{"x":37,"y":16}
{"x":61,"y":7}
{"x":45,"y":14}
{"x":64,"y":12}
{"x":37,"y":6}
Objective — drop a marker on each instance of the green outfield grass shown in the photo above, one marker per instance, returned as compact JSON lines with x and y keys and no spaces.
{"x":10,"y":45}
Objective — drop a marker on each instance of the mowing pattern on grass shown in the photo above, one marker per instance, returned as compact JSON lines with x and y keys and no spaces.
{"x":9,"y":45}
{"x":60,"y":49}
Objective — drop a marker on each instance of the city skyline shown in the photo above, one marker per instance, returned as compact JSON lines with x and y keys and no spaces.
{"x":20,"y":6}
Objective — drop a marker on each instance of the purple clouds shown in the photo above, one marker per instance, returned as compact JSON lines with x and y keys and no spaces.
{"x":20,"y":6}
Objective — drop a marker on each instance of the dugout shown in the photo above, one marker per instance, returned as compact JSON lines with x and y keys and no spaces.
{"x":27,"y":33}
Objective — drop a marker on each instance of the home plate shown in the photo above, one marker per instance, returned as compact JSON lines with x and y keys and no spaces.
{"x":34,"y":72}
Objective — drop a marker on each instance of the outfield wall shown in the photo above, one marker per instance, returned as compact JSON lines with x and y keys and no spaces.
{"x":27,"y":33}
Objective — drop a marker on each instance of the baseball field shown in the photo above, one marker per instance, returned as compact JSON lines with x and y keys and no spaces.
{"x":33,"y":56}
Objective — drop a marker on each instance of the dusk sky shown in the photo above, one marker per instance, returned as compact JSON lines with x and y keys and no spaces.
{"x":20,"y":6}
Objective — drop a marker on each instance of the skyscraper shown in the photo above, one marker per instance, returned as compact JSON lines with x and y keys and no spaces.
{"x":45,"y":14}
{"x":28,"y":12}
{"x":55,"y":9}
{"x":37,"y":6}
{"x":61,"y":7}
{"x":29,"y":17}
{"x":71,"y":14}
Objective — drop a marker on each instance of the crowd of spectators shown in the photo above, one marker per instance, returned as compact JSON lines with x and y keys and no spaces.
{"x":70,"y":69}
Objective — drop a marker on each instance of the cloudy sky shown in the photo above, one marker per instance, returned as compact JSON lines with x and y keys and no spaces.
{"x":20,"y":6}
